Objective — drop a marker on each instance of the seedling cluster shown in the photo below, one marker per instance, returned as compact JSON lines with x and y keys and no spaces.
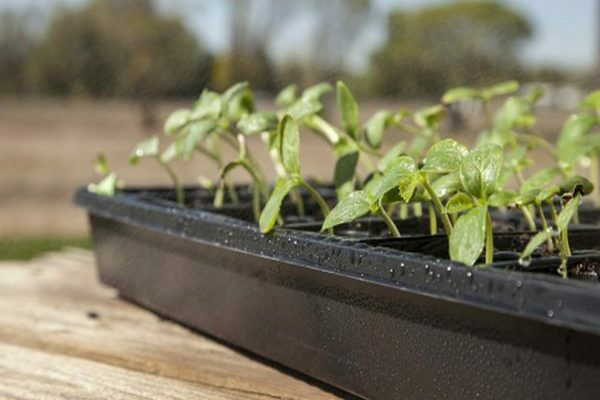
{"x":461,"y":191}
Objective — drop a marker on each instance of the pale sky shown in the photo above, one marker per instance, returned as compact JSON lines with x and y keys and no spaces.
{"x":564,"y":30}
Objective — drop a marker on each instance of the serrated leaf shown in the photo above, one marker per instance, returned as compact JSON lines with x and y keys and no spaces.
{"x":536,"y":241}
{"x":287,"y":96}
{"x":468,"y":236}
{"x":480,"y":170}
{"x":145,"y":148}
{"x":101,"y":165}
{"x":355,"y":205}
{"x":305,"y":108}
{"x":501,"y":89}
{"x":269,"y":214}
{"x":444,"y":156}
{"x":502,"y":198}
{"x":315,"y":92}
{"x":567,"y":213}
{"x":460,"y":94}
{"x":290,"y":144}
{"x":176,"y":121}
{"x":540,"y":179}
{"x":459,"y":202}
{"x":257,"y":123}
{"x":407,"y":185}
{"x":384,"y":163}
{"x":106,"y":187}
{"x":400,"y":168}
{"x":345,"y":170}
{"x":348,"y":110}
{"x":375,"y":127}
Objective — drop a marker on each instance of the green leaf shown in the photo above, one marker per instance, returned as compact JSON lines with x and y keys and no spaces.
{"x":305,"y":108}
{"x":177,"y":120}
{"x":290,"y":144}
{"x":375,"y":127}
{"x":592,"y":101}
{"x":389,"y":157}
{"x":567,"y":213}
{"x":540,"y":179}
{"x":145,"y":148}
{"x":237,"y":101}
{"x":480,"y":170}
{"x":574,"y":129}
{"x":528,"y":197}
{"x":459,"y":202}
{"x":446,"y":185}
{"x":401,"y":168}
{"x":535,"y":93}
{"x":101,"y":165}
{"x":208,"y":105}
{"x":287,"y":96}
{"x":583,"y":185}
{"x":501,"y":89}
{"x":502,"y":198}
{"x":348,"y":110}
{"x":193,"y":134}
{"x":407,"y":185}
{"x":516,"y":112}
{"x":315,"y":92}
{"x":257,"y":123}
{"x":429,"y":117}
{"x":269,"y":214}
{"x":536,"y":241}
{"x":345,"y":170}
{"x":460,"y":94}
{"x":444,"y":156}
{"x":170,"y":153}
{"x":106,"y":187}
{"x":355,"y":205}
{"x":547,"y":193}
{"x":468,"y":236}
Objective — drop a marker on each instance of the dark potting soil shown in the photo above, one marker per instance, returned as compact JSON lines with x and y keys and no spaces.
{"x":510,"y":232}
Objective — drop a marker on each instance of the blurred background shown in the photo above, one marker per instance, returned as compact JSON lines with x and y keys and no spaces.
{"x":78,"y":77}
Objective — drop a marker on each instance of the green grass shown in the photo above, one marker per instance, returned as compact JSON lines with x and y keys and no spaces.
{"x":25,"y":248}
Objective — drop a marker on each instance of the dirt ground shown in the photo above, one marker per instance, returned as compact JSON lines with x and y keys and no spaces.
{"x":48,"y":147}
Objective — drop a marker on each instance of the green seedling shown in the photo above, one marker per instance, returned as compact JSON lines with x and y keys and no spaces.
{"x":150,"y":148}
{"x":485,"y":96}
{"x":110,"y":182}
{"x":479,"y":175}
{"x":289,"y":149}
{"x":259,"y":188}
{"x":571,"y":193}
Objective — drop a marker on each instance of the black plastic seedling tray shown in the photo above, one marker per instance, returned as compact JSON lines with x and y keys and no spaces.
{"x":375,"y":321}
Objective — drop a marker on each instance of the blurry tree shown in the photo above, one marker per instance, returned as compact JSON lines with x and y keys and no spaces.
{"x":119,"y":47}
{"x":435,"y":48}
{"x":255,"y":24}
{"x":16,"y":44}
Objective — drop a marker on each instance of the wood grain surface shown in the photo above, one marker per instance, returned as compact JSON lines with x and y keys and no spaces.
{"x":65,"y":336}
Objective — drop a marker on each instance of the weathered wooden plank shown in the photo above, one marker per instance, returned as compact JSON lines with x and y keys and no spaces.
{"x":34,"y":374}
{"x":54,"y":305}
